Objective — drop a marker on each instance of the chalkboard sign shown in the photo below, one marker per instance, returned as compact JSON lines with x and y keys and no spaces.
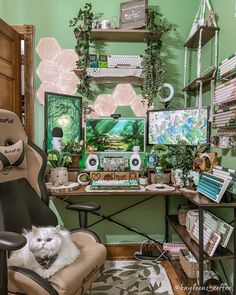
{"x":133,"y":14}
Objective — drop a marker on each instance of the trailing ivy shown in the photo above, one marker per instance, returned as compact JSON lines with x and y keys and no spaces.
{"x":82,"y":25}
{"x":153,"y":62}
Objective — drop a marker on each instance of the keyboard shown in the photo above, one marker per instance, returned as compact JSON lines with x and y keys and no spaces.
{"x":211,"y":239}
{"x":216,"y":224}
{"x":213,"y":185}
{"x":115,"y":185}
{"x":173,"y":247}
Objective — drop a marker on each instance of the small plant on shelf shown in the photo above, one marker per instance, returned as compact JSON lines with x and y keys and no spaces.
{"x":153,"y":62}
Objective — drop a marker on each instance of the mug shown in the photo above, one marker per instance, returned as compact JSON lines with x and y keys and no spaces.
{"x":105,"y":24}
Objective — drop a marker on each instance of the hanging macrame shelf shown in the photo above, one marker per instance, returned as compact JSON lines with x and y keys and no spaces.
{"x":207,"y":34}
{"x":203,"y":29}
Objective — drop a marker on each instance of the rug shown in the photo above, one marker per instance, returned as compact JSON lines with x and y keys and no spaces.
{"x":132,"y":278}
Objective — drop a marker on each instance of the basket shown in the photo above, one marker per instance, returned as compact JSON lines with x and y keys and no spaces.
{"x":182,"y":217}
{"x":190,"y":268}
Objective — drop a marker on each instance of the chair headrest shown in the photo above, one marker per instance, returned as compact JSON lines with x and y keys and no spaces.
{"x":11,"y":128}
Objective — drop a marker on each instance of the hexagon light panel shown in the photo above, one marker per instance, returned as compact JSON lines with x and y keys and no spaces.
{"x":55,"y":70}
{"x":123,"y":95}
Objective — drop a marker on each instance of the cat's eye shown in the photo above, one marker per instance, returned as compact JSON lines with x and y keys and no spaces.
{"x":49,"y":240}
{"x":39,"y":240}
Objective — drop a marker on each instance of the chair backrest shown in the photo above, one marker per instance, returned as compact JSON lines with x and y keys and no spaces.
{"x":23,"y":194}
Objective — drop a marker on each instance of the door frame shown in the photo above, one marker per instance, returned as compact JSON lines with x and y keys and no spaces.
{"x":27,"y":33}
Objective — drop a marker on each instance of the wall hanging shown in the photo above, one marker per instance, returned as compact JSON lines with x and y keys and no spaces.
{"x":63,"y":111}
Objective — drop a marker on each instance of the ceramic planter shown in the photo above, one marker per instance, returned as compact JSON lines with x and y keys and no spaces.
{"x":59,"y":176}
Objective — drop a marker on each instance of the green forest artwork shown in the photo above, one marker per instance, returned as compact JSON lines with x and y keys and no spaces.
{"x":108,"y":134}
{"x":62,"y":111}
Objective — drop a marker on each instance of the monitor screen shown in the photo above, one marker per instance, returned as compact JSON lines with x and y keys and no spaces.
{"x":116,"y":135}
{"x":172,"y":127}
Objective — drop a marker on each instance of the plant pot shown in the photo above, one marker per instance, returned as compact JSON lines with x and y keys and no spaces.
{"x":80,"y":179}
{"x":59,"y":176}
{"x":143,"y":180}
{"x":75,"y":164}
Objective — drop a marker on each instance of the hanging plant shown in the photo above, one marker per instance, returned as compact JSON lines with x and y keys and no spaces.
{"x":82,"y":25}
{"x":153,"y":65}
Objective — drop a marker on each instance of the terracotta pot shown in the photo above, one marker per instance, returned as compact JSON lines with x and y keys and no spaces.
{"x":59,"y":176}
{"x":75,"y":164}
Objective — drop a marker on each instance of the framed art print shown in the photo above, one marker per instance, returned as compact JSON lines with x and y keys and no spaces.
{"x":65,"y":111}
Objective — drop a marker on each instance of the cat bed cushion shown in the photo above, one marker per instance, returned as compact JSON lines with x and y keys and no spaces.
{"x":13,"y":155}
{"x":85,"y":268}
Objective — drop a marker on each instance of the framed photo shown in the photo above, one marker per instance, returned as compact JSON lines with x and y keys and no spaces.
{"x":65,"y":111}
{"x":133,"y":14}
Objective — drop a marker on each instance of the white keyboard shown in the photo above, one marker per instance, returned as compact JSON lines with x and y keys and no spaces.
{"x":217,"y":225}
{"x":211,"y":239}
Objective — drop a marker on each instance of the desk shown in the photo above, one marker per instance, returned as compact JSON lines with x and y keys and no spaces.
{"x":197,"y":199}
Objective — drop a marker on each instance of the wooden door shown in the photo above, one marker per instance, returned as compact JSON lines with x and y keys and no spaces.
{"x":10,"y":65}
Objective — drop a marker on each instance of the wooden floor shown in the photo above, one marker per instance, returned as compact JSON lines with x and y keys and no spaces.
{"x":126,"y":252}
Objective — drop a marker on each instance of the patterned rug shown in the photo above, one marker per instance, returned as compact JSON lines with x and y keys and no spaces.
{"x":132,"y":278}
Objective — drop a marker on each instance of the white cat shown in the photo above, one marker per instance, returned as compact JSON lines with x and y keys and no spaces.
{"x":48,"y":249}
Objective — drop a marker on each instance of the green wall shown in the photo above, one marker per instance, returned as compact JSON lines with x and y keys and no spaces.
{"x":51,"y":18}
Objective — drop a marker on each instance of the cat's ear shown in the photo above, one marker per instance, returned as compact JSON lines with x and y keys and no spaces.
{"x":57,"y":229}
{"x":34,"y":229}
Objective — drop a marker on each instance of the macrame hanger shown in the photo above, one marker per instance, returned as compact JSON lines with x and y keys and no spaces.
{"x":200,"y":101}
{"x":212,"y":97}
{"x":202,"y":12}
{"x":210,"y":9}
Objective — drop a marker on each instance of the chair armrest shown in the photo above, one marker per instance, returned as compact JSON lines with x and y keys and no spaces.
{"x":31,"y":275}
{"x":84,"y":206}
{"x":10,"y":241}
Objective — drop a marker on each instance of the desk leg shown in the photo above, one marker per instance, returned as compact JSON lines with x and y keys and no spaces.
{"x":166,"y":223}
{"x":201,"y":249}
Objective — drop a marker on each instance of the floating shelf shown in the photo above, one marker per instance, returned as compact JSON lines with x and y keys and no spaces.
{"x":207,"y":34}
{"x":221,"y":253}
{"x":119,"y":35}
{"x":112,"y":75}
{"x":194,"y":84}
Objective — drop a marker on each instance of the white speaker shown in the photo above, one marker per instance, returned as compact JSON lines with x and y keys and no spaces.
{"x":92,"y":162}
{"x":135,"y":161}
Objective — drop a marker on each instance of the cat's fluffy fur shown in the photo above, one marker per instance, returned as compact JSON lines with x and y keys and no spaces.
{"x":42,"y":242}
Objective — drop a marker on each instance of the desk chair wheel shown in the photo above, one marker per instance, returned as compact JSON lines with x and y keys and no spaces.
{"x":83,"y":208}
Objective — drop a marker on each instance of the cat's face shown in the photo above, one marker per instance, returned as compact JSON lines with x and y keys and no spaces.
{"x":45,"y":241}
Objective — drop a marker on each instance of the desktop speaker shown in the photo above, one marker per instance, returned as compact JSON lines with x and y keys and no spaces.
{"x":135,"y":159}
{"x":92,"y":163}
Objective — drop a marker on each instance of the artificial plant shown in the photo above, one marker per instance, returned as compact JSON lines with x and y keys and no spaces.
{"x":153,"y":65}
{"x":82,"y":25}
{"x":59,"y":159}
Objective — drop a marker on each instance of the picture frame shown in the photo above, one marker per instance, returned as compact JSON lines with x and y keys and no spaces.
{"x":65,"y":111}
{"x":133,"y":14}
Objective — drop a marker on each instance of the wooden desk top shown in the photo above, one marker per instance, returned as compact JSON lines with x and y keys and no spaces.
{"x":81,"y":192}
{"x":196,"y":198}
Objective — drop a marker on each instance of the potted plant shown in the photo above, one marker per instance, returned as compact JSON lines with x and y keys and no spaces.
{"x":142,"y":178}
{"x":59,"y":162}
{"x":75,"y":148}
{"x":83,"y":179}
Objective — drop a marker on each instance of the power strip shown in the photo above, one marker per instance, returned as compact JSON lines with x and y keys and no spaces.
{"x":150,"y":251}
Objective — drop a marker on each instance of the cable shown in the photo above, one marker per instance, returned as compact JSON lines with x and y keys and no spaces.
{"x":150,"y":248}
